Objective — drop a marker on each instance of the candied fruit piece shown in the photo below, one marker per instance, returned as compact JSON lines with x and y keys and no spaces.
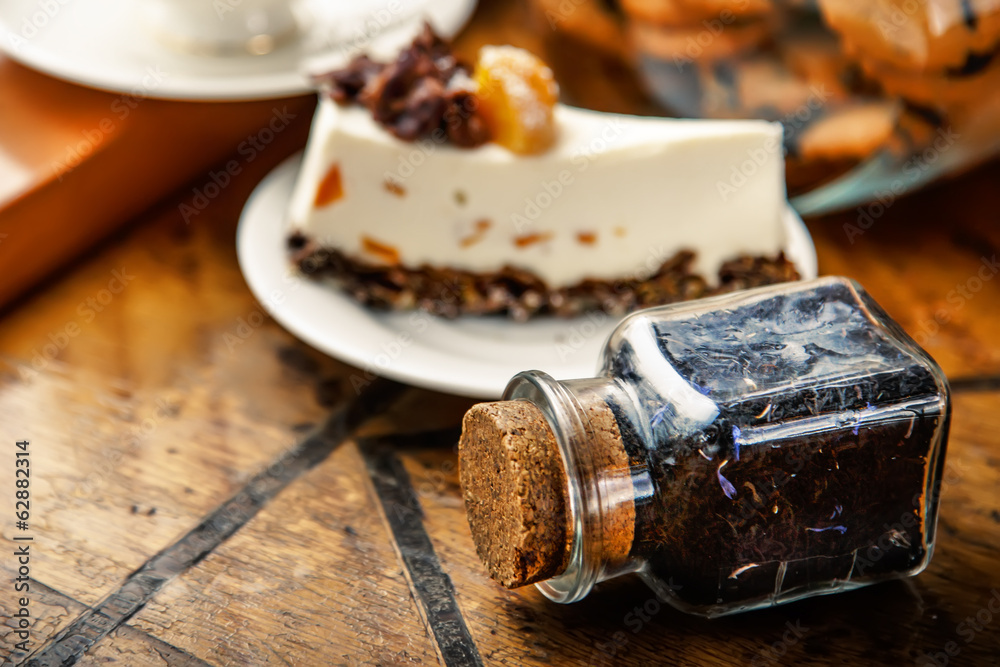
{"x":330,"y":189}
{"x":531,"y":239}
{"x":383,"y":251}
{"x":517,"y":94}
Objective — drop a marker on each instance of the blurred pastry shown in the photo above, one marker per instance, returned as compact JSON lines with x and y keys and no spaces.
{"x":917,"y":35}
{"x":699,"y":43}
{"x":693,"y":12}
{"x":946,"y":91}
{"x":590,"y":21}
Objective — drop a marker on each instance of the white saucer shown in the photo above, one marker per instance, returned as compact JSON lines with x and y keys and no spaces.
{"x":470,"y":356}
{"x":102,"y":44}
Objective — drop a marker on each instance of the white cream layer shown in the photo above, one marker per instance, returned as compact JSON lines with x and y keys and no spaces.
{"x":614,"y":198}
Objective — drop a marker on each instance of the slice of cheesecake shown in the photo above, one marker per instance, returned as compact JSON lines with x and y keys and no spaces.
{"x":610,"y":211}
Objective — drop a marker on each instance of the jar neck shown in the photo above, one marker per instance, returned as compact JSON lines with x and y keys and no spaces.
{"x":599,"y":476}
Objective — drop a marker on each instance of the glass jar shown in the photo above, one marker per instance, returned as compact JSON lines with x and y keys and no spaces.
{"x":737,"y":452}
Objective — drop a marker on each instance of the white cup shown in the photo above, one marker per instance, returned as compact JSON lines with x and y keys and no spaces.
{"x":221,"y":27}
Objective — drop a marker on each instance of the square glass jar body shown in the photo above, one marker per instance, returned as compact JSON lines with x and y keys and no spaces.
{"x":783,"y":442}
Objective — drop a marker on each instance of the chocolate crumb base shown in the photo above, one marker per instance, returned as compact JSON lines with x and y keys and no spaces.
{"x":516,"y":492}
{"x":521,"y":294}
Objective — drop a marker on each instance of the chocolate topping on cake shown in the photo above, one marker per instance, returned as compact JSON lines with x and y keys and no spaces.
{"x":425,"y":91}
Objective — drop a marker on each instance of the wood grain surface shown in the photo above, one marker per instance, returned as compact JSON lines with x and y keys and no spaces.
{"x":206,"y":490}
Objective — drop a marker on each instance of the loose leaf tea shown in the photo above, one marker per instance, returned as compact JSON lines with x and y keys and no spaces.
{"x":775,"y":444}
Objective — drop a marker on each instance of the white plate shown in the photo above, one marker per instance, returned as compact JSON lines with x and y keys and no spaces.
{"x":470,"y":356}
{"x":102,"y":44}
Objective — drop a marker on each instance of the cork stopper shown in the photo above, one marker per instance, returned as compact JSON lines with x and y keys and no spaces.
{"x":609,"y":456}
{"x":516,"y":492}
{"x":517,"y":495}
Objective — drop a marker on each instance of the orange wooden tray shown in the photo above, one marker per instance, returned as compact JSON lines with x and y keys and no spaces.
{"x":76,"y":163}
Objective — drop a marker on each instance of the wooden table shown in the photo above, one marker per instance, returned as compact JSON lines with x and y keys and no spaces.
{"x":207,"y":490}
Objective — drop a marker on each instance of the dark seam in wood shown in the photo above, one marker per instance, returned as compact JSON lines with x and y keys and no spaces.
{"x":171,"y":655}
{"x":432,"y":588}
{"x":39,"y":593}
{"x":139,"y":588}
{"x":963,"y":385}
{"x":51,"y":596}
